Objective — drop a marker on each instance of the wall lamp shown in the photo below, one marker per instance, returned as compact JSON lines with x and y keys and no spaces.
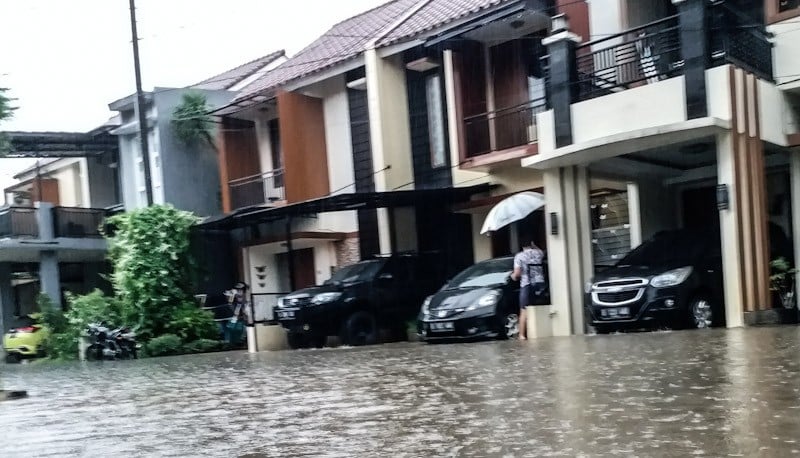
{"x":553,"y":223}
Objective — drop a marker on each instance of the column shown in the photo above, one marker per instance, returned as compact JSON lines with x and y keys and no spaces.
{"x":730,"y":233}
{"x":569,"y":249}
{"x":694,"y":53}
{"x":6,"y":297}
{"x":563,"y":75}
{"x":49,"y":276}
{"x":634,"y":214}
{"x":794,"y":174}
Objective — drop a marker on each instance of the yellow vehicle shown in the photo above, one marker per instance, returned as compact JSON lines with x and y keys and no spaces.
{"x":24,"y":342}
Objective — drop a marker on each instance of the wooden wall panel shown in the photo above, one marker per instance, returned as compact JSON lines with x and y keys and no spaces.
{"x":238,"y":157}
{"x":578,"y":14}
{"x":49,"y":190}
{"x":305,"y":156}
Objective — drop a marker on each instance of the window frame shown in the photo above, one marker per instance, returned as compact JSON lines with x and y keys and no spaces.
{"x":434,"y":80}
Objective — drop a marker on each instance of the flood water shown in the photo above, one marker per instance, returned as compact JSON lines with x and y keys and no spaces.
{"x":715,"y":393}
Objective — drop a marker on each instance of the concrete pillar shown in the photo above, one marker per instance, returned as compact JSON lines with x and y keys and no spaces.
{"x":694,"y":53}
{"x":794,"y":174}
{"x":49,"y":276}
{"x":569,"y":248}
{"x":634,"y":215}
{"x":730,"y":234}
{"x":45,"y":220}
{"x":563,"y":70}
{"x":6,"y":297}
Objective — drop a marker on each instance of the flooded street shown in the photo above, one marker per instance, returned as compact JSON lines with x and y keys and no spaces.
{"x":716,"y":393}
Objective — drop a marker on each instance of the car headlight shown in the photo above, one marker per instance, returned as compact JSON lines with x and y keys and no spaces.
{"x":281,"y":302}
{"x":489,"y":299}
{"x":671,"y":278}
{"x":426,"y":306}
{"x":324,"y":298}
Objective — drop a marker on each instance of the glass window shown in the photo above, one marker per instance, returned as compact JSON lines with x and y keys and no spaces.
{"x":786,"y":5}
{"x":484,"y":274}
{"x":433,"y":94}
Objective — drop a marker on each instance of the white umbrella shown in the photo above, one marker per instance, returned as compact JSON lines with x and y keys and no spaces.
{"x":512,"y":209}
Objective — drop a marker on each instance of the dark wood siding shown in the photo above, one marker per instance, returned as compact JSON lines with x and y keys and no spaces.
{"x":369,"y":240}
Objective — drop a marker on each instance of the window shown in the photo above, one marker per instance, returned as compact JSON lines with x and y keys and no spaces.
{"x":433,"y":94}
{"x":786,"y":5}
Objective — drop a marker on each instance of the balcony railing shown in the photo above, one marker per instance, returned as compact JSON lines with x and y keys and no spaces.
{"x":257,"y":189}
{"x":638,"y":56}
{"x":18,"y":222}
{"x":502,"y":129}
{"x":78,"y":222}
{"x":739,"y":39}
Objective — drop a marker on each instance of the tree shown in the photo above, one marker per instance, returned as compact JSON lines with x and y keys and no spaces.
{"x":6,"y":113}
{"x":192,"y":122}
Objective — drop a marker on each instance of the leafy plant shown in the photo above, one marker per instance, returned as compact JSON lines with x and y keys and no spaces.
{"x":152,"y":274}
{"x":781,"y":272}
{"x":6,"y":113}
{"x":203,"y":346}
{"x":191,"y":323}
{"x":164,"y":345}
{"x":191,"y":120}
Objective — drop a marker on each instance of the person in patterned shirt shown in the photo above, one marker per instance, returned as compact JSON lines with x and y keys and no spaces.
{"x":530,"y":273}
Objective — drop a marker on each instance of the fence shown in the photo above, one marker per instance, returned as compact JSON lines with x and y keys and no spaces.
{"x":78,"y":222}
{"x":739,"y":39}
{"x":18,"y":222}
{"x":257,"y":189}
{"x":502,"y":129}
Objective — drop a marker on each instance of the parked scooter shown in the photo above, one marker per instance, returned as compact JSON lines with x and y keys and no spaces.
{"x":108,"y":344}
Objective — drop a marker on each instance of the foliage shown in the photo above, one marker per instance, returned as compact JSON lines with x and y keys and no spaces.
{"x":191,"y":323}
{"x":191,"y":120}
{"x":6,"y":113}
{"x":164,"y":345}
{"x":203,"y":346}
{"x":781,"y":273}
{"x":152,"y":274}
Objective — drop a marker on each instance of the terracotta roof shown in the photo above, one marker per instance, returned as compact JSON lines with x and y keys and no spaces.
{"x":232,"y":77}
{"x":344,"y":41}
{"x":434,"y":14}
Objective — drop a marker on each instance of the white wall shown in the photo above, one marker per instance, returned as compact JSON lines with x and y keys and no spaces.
{"x":643,"y":107}
{"x":481,"y":244}
{"x":70,"y":192}
{"x":718,"y":92}
{"x":786,"y":65}
{"x":605,"y":18}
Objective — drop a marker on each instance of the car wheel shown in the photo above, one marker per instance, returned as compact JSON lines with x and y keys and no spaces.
{"x":360,"y":329}
{"x":94,"y":353}
{"x":13,"y":358}
{"x":295,"y":340}
{"x":600,"y":329}
{"x":510,"y":329}
{"x":318,"y":341}
{"x":701,"y":314}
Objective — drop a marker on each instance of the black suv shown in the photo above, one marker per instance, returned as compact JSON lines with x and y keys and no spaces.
{"x":361,"y":299}
{"x":673,"y":279}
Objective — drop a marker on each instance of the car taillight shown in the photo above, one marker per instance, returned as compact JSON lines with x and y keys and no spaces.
{"x":27,"y":329}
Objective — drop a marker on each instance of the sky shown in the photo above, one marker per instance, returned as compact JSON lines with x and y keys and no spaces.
{"x":65,"y":61}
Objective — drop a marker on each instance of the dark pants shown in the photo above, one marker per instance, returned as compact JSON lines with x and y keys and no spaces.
{"x":531,"y":294}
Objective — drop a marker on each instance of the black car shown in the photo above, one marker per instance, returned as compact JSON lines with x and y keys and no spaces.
{"x":673,"y":280}
{"x":359,"y":300}
{"x":481,"y":301}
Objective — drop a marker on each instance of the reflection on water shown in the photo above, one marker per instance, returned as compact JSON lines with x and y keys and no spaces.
{"x":718,"y":393}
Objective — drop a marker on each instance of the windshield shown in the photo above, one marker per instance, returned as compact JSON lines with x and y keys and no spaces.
{"x":361,"y":271}
{"x":488,"y":273}
{"x":669,"y":248}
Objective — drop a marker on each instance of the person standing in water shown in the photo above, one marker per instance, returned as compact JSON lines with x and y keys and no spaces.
{"x":529,"y":271}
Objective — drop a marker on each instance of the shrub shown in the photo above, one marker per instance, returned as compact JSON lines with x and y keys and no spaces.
{"x":191,"y":323}
{"x":165,"y":345}
{"x":202,"y":346}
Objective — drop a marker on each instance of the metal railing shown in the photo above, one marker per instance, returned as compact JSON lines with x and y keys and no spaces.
{"x":18,"y":222}
{"x":502,"y":129}
{"x":638,"y":56}
{"x":739,"y":39}
{"x":257,"y":189}
{"x":78,"y":222}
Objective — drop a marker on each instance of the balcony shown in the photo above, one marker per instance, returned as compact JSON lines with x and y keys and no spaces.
{"x":78,"y":222}
{"x":501,"y":130}
{"x":18,"y":222}
{"x":652,"y":52}
{"x":264,"y":188}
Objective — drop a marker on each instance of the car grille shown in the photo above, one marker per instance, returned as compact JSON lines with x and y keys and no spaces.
{"x":616,"y":298}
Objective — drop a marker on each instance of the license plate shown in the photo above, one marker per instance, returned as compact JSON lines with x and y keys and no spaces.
{"x":617,"y":312}
{"x":285,"y":314}
{"x":442,"y":326}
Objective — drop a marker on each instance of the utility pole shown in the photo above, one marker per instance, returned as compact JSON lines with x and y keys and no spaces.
{"x":141,"y":108}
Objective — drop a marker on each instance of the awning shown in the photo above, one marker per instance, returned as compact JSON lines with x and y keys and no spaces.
{"x":346,"y":202}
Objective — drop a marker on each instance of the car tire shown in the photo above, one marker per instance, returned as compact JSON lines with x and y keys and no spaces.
{"x":94,"y":353}
{"x":295,"y":340}
{"x":509,"y":327}
{"x":604,"y":330}
{"x":13,"y":358}
{"x":360,"y":329}
{"x":701,"y":313}
{"x":318,"y":341}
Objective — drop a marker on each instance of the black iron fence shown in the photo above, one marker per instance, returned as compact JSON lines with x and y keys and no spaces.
{"x":739,"y":39}
{"x":18,"y":222}
{"x":78,"y":222}
{"x":638,"y":56}
{"x":502,"y":129}
{"x":257,"y":189}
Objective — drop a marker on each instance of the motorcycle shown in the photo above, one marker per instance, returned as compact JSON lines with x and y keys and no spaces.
{"x":108,"y":344}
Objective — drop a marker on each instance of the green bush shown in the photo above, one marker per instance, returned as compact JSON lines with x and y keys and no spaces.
{"x":191,"y":323}
{"x":153,"y":272}
{"x":165,"y":345}
{"x":202,"y":346}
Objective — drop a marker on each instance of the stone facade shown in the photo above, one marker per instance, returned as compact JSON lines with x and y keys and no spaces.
{"x":348,"y":251}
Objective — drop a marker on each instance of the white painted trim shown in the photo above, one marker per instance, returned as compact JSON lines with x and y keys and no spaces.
{"x":561,"y":36}
{"x":315,"y":78}
{"x":397,"y":23}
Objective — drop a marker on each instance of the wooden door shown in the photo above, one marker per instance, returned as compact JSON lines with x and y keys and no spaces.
{"x":304,"y":270}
